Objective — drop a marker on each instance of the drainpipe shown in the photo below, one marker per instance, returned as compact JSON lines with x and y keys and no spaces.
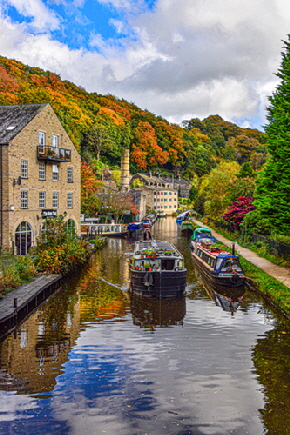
{"x":1,"y":196}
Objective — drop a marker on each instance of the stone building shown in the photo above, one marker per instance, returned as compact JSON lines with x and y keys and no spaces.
{"x":161,"y":196}
{"x":40,"y":174}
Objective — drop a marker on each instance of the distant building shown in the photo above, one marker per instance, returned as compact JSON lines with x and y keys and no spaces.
{"x":40,"y":174}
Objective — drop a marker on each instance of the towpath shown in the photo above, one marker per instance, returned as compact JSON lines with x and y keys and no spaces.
{"x":280,"y":273}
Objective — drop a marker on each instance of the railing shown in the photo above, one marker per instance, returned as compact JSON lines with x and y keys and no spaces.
{"x":54,"y":154}
{"x":90,"y":231}
{"x":277,"y":248}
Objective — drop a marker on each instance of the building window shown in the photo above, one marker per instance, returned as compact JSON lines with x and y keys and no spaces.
{"x":70,"y":174}
{"x":42,"y":199}
{"x":42,"y":171}
{"x":24,"y":199}
{"x":69,"y":200}
{"x":41,"y":140}
{"x":24,"y":169}
{"x":54,"y":172}
{"x":55,"y":199}
{"x":55,"y":140}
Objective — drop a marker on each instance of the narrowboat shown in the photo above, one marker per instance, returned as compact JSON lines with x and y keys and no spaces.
{"x":134,"y":226}
{"x":157,"y":270}
{"x":187,"y":228}
{"x":181,"y":217}
{"x":219,"y":266}
{"x":146,"y":223}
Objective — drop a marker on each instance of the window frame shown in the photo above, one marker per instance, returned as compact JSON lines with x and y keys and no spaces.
{"x":70,"y":200}
{"x":55,"y":174}
{"x":42,"y":171}
{"x":23,"y":199}
{"x":42,"y":199}
{"x":55,"y":199}
{"x":24,"y":169}
{"x":70,"y":178}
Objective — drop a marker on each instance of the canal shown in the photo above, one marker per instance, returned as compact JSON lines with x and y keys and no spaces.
{"x":91,"y":360}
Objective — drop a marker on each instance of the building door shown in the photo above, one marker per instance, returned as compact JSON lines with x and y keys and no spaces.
{"x":23,"y":238}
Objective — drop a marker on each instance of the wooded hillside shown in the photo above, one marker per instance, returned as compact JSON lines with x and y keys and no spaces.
{"x":102,"y":125}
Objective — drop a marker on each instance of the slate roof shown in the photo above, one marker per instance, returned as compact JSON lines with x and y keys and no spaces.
{"x":14,"y":118}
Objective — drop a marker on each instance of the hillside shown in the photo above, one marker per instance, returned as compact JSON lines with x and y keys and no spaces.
{"x":101,"y":125}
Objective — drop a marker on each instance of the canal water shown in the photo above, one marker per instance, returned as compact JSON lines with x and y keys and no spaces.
{"x":92,"y":360}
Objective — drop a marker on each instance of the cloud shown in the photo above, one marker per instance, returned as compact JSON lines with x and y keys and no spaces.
{"x":42,"y":17}
{"x":178,"y":60}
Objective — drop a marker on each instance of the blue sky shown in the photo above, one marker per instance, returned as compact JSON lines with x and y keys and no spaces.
{"x":177,"y":58}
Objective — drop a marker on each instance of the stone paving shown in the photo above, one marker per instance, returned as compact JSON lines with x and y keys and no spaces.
{"x":16,"y":300}
{"x":280,"y":273}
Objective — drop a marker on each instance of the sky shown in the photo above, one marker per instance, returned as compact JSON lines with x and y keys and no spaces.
{"x":180,"y":59}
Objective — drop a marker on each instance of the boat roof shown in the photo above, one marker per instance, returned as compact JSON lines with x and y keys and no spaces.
{"x":202,"y":230}
{"x":216,"y":252}
{"x":157,"y":246}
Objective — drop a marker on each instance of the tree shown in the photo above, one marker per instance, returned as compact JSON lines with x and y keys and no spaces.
{"x":216,"y":186}
{"x":238,"y":209}
{"x":89,"y":187}
{"x":246,"y":171}
{"x":273,"y":191}
{"x":96,"y":138}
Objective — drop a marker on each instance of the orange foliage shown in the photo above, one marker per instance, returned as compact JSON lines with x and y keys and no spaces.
{"x":138,"y":156}
{"x":90,"y":184}
{"x":111,"y":104}
{"x":145,"y":150}
{"x":8,"y":83}
{"x":117,"y":120}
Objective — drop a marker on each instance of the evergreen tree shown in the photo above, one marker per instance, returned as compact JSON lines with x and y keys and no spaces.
{"x":273,"y":190}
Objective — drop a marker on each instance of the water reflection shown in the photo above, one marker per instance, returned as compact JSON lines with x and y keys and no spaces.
{"x":151,"y":313}
{"x":31,"y":358}
{"x":87,"y":361}
{"x":228,"y":298}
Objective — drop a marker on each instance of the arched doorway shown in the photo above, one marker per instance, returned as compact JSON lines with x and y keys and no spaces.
{"x":23,"y":238}
{"x":71,"y":227}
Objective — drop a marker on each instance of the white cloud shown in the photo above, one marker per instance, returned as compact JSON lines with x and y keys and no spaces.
{"x":182,"y":59}
{"x":43,"y":18}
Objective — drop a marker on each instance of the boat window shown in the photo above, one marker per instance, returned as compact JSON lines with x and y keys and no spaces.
{"x":218,"y":262}
{"x":231,"y":264}
{"x":167,"y":264}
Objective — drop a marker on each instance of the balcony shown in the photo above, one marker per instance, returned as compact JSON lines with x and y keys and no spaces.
{"x":53,"y":154}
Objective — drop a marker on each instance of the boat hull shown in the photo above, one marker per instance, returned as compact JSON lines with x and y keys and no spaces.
{"x":231,"y":280}
{"x":164,"y":284}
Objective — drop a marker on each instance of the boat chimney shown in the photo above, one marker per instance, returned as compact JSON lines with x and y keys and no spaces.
{"x":233,"y":248}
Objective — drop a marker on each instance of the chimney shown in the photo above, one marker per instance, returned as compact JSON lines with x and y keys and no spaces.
{"x":125,"y":174}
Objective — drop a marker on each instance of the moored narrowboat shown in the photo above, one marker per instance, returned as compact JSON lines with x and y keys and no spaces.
{"x":218,"y":266}
{"x":134,"y":226}
{"x":157,"y":270}
{"x":187,"y":228}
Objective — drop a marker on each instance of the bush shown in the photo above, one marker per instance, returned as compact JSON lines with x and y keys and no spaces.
{"x":58,"y":252}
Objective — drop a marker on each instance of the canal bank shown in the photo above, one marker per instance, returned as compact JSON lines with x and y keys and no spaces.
{"x":20,"y":302}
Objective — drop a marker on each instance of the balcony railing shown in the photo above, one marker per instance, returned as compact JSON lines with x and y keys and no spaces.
{"x":53,"y":154}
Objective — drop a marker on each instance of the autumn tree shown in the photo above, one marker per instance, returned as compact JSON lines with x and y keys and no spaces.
{"x":273,"y":190}
{"x":215,"y":188}
{"x":238,"y":210}
{"x":90,"y":185}
{"x":145,"y":151}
